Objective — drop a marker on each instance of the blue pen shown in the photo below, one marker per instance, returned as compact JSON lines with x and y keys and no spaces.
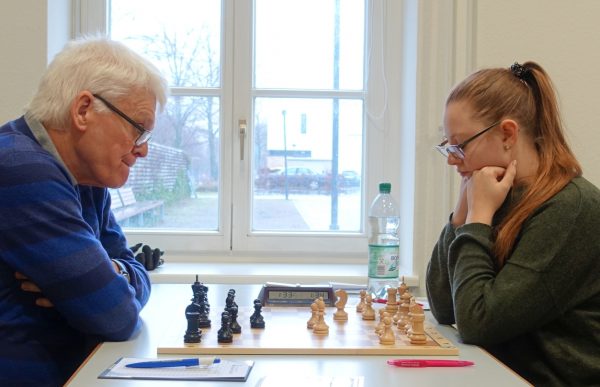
{"x":191,"y":362}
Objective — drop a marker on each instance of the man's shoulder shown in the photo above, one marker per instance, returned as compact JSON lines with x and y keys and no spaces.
{"x":16,"y":140}
{"x":19,"y":150}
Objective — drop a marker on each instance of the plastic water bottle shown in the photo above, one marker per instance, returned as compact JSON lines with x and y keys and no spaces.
{"x":384,"y":244}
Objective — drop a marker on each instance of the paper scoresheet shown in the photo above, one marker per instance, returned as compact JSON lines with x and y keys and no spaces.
{"x":225,"y":370}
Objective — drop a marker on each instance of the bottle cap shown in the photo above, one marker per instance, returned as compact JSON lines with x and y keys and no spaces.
{"x":385,"y":187}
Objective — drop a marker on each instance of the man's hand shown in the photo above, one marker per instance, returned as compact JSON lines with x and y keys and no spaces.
{"x":29,"y":286}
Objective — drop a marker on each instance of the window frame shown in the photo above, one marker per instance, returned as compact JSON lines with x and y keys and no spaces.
{"x":445,"y":48}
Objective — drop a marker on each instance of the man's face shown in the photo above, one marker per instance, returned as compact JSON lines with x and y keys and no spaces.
{"x":108,"y":148}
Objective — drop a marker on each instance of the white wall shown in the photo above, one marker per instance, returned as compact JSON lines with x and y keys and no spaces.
{"x":560,"y":35}
{"x":563,"y":37}
{"x":23,"y":57}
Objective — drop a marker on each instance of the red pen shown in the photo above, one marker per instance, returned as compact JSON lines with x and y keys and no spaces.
{"x":418,"y":363}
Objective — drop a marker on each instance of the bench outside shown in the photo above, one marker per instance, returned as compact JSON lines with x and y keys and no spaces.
{"x":129,"y":212}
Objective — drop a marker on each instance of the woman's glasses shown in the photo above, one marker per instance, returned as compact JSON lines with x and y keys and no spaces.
{"x":458,"y":150}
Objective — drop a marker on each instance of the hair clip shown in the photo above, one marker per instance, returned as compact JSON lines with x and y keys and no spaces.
{"x":519,"y":71}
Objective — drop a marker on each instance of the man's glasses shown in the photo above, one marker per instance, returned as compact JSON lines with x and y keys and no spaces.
{"x":144,"y":134}
{"x":458,"y":150}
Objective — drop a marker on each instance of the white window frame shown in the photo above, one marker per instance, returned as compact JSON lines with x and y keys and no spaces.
{"x":436,"y":38}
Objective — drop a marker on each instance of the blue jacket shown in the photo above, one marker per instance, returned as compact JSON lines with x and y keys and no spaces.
{"x":62,"y":236}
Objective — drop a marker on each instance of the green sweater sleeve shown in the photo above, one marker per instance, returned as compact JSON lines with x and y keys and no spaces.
{"x":438,"y":280}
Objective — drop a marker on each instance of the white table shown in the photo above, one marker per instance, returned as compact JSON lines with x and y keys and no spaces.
{"x":165,"y":306}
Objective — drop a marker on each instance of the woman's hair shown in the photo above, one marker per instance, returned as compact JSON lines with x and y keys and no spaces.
{"x":525,"y":94}
{"x":99,"y":65}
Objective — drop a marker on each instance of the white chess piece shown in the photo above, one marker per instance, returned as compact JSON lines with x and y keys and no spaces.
{"x":368,"y":312}
{"x":417,"y":328}
{"x":387,"y":336}
{"x":321,"y":328}
{"x":313,"y":318}
{"x":341,"y":314}
{"x":360,"y":307}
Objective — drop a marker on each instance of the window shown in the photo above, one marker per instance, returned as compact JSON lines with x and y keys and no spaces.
{"x":274,"y":134}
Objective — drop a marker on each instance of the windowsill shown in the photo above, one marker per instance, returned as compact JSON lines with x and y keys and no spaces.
{"x":257,"y":273}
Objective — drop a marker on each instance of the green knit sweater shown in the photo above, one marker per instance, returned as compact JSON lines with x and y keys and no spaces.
{"x":539,"y":314}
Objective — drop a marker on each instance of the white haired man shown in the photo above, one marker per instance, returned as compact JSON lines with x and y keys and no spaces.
{"x":67,"y":278}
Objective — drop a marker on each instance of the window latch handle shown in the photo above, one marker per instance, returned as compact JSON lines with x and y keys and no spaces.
{"x":242,"y":128}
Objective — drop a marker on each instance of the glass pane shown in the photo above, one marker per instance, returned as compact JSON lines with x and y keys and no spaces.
{"x":309,"y":44}
{"x":176,"y":185}
{"x":298,"y":146}
{"x":181,"y":37}
{"x":181,"y":170}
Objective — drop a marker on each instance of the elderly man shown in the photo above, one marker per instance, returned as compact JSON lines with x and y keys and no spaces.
{"x":67,"y":278}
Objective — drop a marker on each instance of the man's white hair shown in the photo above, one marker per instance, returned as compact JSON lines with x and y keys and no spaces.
{"x":99,"y":65}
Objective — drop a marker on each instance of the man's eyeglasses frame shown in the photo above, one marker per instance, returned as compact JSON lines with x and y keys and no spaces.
{"x":144,"y":136}
{"x":457,"y":150}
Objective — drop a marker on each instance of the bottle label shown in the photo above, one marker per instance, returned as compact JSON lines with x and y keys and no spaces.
{"x":383,"y":261}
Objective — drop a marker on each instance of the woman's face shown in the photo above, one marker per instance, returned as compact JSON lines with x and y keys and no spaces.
{"x":485,"y":150}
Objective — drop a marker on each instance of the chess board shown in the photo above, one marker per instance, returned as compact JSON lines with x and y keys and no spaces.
{"x":286,"y":333}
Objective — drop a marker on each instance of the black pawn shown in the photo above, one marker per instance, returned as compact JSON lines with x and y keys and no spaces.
{"x":257,"y":320}
{"x":193,"y":332}
{"x":225,"y":335}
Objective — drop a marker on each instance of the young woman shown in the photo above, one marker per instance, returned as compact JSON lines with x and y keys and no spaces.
{"x":517,"y":266}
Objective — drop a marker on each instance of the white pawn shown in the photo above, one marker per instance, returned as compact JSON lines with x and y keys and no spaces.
{"x":387,"y":336}
{"x":360,"y":307}
{"x":368,"y":312}
{"x":321,"y":328}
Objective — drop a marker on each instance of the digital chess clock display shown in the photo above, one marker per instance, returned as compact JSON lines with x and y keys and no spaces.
{"x":299,"y":295}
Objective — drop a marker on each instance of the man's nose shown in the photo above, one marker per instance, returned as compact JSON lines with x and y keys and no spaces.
{"x":140,"y":151}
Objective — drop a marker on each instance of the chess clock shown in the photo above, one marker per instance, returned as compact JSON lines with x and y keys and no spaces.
{"x":295,"y":295}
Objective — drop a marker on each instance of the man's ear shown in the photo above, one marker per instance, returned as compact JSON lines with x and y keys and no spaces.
{"x":510,"y":132}
{"x":81,"y":108}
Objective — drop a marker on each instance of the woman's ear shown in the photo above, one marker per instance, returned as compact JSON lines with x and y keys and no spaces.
{"x":81,"y":109}
{"x":510,"y":132}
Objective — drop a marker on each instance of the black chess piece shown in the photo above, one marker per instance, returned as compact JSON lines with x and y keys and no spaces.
{"x":225,"y":335}
{"x":204,"y":297}
{"x":229,"y":301}
{"x":235,"y":326}
{"x":200,"y":293}
{"x":231,"y":293}
{"x":196,"y":286}
{"x":203,"y":320}
{"x":257,"y":320}
{"x":193,"y":334}
{"x":148,"y":257}
{"x":193,"y":307}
